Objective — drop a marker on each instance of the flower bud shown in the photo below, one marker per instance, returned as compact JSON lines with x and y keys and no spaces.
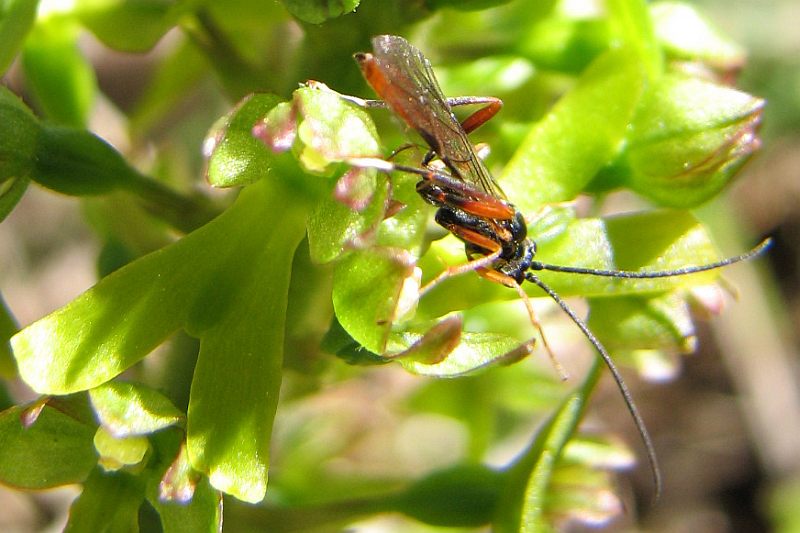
{"x":687,"y":140}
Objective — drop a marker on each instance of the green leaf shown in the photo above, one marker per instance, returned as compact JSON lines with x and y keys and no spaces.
{"x":130,"y":25}
{"x":474,"y":351}
{"x":109,"y":502}
{"x":641,"y":323}
{"x":333,"y":226}
{"x":230,"y":292}
{"x":331,"y":129}
{"x":581,"y":134}
{"x":60,"y":78}
{"x":528,"y":478}
{"x":631,"y":25}
{"x":367,"y":292}
{"x":16,"y":20}
{"x":565,"y":42}
{"x":318,"y":11}
{"x":659,"y":240}
{"x":236,"y":157}
{"x":8,"y":326}
{"x":127,"y":409}
{"x":653,"y":240}
{"x":238,"y":373}
{"x":19,"y":138}
{"x":55,"y":450}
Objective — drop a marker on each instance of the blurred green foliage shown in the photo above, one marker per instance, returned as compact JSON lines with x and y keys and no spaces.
{"x":618,"y":97}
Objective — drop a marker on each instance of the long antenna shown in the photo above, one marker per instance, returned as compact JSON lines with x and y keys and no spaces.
{"x":623,"y":388}
{"x":763,"y":245}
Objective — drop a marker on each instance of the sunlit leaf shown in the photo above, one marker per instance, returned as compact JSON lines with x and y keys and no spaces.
{"x":235,"y":157}
{"x":636,"y":322}
{"x":366,"y":294}
{"x":219,"y":297}
{"x":581,"y":133}
{"x":632,"y":28}
{"x":127,"y":409}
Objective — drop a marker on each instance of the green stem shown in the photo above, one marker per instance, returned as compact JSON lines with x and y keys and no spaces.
{"x":528,"y":476}
{"x":239,"y":76}
{"x":304,"y":517}
{"x":182,"y":212}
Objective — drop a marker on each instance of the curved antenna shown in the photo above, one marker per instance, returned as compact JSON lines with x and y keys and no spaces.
{"x":628,"y":274}
{"x":612,"y":367}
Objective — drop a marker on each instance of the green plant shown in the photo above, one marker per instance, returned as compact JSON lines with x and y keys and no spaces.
{"x":250,"y":278}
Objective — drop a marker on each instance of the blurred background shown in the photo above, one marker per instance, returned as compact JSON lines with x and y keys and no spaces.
{"x":727,"y":428}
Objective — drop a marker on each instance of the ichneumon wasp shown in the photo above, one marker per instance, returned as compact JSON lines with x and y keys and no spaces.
{"x":470,"y":204}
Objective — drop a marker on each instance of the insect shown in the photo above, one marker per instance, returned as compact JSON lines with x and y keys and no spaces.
{"x":471,"y":205}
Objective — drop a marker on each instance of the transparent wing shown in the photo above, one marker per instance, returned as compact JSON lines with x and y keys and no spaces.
{"x":420,"y":102}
